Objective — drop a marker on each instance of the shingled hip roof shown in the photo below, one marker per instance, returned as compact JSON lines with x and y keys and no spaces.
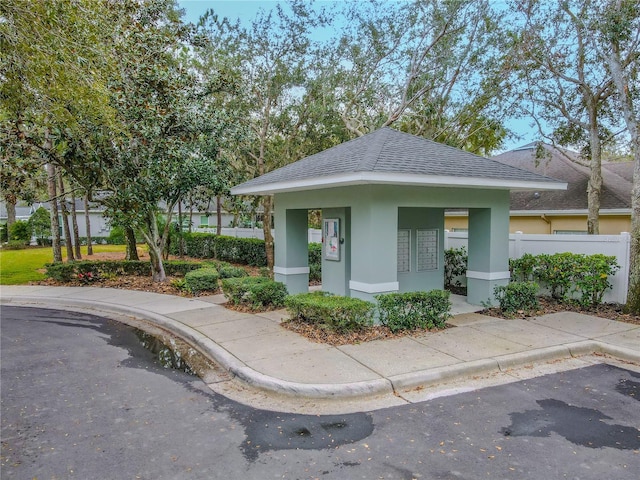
{"x":387,"y":156}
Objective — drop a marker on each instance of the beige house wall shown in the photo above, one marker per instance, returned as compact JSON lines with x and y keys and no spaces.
{"x":609,"y":224}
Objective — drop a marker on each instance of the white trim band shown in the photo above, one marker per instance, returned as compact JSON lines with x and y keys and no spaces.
{"x":488,"y":275}
{"x":374,"y":287}
{"x":365,"y":178}
{"x":291,"y":270}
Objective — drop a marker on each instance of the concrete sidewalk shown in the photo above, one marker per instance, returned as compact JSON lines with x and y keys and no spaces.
{"x":259,"y":352}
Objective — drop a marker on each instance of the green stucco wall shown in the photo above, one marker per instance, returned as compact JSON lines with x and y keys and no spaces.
{"x":373,"y":214}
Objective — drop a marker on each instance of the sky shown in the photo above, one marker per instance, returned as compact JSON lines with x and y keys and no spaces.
{"x":246,"y":10}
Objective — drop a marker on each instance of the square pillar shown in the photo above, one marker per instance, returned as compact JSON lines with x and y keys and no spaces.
{"x":374,"y":245}
{"x":291,"y":249}
{"x":488,"y":252}
{"x":336,"y":273}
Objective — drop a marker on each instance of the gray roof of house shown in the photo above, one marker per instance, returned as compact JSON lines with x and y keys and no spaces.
{"x":617,"y":180}
{"x":393,"y":157}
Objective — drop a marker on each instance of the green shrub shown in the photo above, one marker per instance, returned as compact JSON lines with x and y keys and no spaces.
{"x":315,"y":262}
{"x":116,"y":236}
{"x":4,"y":232}
{"x":556,"y":272}
{"x":229,"y":271}
{"x":525,"y":268}
{"x":414,"y":310}
{"x":15,"y":245}
{"x":180,"y":267}
{"x":247,"y":251}
{"x":592,"y":278}
{"x":20,"y":231}
{"x":334,"y":312}
{"x":315,"y":272}
{"x":455,"y":264}
{"x":62,"y":272}
{"x":201,"y":280}
{"x":315,"y":253}
{"x":517,"y":296}
{"x":40,"y":224}
{"x":255,"y":292}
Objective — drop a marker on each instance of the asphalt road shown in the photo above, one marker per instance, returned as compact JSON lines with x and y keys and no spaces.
{"x":81,"y":399}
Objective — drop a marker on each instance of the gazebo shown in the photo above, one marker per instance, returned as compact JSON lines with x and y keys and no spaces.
{"x":383,"y":198}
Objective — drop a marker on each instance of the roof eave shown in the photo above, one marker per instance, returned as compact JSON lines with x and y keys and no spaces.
{"x":378,"y":178}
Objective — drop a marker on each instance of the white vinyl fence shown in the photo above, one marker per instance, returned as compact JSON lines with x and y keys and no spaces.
{"x":612,"y":245}
{"x":315,"y":235}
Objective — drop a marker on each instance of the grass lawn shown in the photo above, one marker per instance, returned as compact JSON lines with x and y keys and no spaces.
{"x":21,"y":266}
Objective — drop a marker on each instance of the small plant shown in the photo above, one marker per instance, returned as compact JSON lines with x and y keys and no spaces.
{"x":517,"y":297}
{"x":180,"y":284}
{"x":201,"y":280}
{"x":333,"y":312}
{"x":254,"y":292}
{"x":414,"y":310}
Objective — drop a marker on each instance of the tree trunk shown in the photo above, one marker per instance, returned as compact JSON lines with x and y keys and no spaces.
{"x":594,"y":187}
{"x":130,"y":238}
{"x":87,"y":221}
{"x":179,"y":229}
{"x":11,"y":211}
{"x":65,"y":222}
{"x":156,"y":245}
{"x":55,"y":223}
{"x":219,"y":216}
{"x":267,"y":206}
{"x":74,"y":225}
{"x":631,"y":120}
{"x":157,"y":268}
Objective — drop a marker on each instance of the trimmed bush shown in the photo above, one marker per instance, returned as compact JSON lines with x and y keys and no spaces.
{"x":180,"y":267}
{"x":255,"y":292}
{"x":61,"y":272}
{"x":517,"y":297}
{"x":201,"y":280}
{"x":334,"y":312}
{"x":229,"y":271}
{"x":414,"y":310}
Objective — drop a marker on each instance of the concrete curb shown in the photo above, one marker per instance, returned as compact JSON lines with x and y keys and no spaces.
{"x":215,"y":352}
{"x":381,"y":386}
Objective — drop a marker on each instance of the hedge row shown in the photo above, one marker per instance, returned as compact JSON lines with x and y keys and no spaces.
{"x":247,"y":251}
{"x":567,"y":276}
{"x":398,"y":311}
{"x":414,"y":310}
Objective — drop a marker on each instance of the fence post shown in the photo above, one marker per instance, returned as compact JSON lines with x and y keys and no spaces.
{"x":624,"y":257}
{"x":517,"y":247}
{"x":446,"y":239}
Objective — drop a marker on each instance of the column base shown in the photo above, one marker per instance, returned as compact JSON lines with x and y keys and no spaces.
{"x":296,"y":279}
